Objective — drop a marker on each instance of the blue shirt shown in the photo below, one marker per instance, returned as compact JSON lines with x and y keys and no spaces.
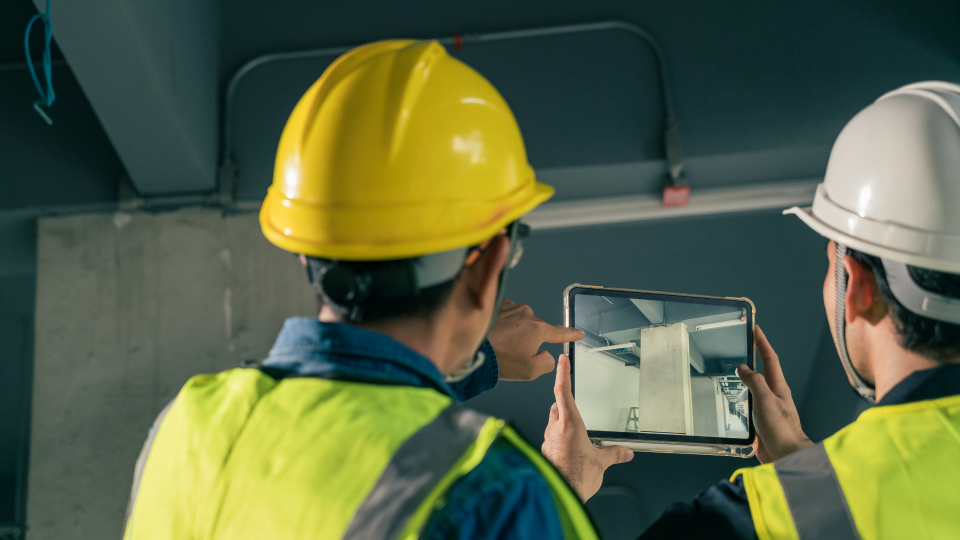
{"x":722,"y":511}
{"x":503,"y":497}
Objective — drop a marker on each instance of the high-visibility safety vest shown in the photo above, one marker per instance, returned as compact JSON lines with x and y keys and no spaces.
{"x":242,"y":455}
{"x":894,"y":473}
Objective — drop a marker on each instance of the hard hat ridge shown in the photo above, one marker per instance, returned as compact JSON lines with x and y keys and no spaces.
{"x":411,"y":72}
{"x":945,"y":95}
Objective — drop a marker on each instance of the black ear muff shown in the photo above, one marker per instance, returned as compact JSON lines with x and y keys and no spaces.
{"x":345,"y":287}
{"x":352,"y":288}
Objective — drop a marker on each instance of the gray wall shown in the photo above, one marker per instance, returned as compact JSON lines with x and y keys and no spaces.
{"x":129,"y":306}
{"x":17,"y":290}
{"x":16,"y":362}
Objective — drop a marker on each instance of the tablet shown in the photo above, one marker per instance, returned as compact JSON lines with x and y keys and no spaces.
{"x":656,"y":371}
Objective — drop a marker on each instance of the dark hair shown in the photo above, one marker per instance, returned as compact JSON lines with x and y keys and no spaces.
{"x":379,"y":307}
{"x":934,"y":339}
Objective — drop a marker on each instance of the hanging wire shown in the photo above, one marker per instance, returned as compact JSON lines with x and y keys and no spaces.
{"x":46,"y":98}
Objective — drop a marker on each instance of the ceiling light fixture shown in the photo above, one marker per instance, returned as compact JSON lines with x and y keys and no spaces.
{"x":721,"y":324}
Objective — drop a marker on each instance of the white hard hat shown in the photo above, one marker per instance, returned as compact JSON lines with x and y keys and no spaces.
{"x":892,"y":190}
{"x":892,"y":186}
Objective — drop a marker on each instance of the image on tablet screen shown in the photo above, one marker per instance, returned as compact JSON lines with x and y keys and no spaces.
{"x":661,"y":367}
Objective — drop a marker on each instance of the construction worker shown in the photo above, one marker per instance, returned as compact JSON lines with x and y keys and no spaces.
{"x":400,"y":179}
{"x":890,"y":208}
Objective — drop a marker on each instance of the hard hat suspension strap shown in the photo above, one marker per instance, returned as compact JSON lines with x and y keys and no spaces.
{"x":862,"y":387}
{"x":349,"y":289}
{"x":354,"y":287}
{"x":917,"y":299}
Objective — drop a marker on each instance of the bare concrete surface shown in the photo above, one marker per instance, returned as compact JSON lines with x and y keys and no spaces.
{"x":666,"y":405}
{"x":129,"y":306}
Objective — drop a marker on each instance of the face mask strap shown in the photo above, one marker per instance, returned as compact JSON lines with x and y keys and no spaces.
{"x":862,"y":387}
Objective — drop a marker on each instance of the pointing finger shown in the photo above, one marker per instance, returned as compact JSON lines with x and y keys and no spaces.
{"x":557,"y":333}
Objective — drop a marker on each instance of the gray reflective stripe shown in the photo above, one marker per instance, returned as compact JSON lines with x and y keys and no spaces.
{"x":813,"y":494}
{"x":420,"y":463}
{"x":142,"y":460}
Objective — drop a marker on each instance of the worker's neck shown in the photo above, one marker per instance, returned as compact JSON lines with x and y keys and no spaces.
{"x":889,"y":362}
{"x":431,"y":338}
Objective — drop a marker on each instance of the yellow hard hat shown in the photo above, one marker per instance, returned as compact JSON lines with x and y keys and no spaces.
{"x":397,"y":151}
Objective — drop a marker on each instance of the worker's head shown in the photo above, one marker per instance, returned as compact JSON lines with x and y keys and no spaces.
{"x":871,"y":308}
{"x":888,"y":204}
{"x":400,"y":178}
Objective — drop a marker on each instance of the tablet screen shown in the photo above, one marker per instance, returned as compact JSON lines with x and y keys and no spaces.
{"x":661,"y":367}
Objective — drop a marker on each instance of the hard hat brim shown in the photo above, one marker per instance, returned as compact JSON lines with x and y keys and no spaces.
{"x":501,"y":213}
{"x":824,"y":229}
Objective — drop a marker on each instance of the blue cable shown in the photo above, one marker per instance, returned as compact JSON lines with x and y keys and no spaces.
{"x":46,"y":98}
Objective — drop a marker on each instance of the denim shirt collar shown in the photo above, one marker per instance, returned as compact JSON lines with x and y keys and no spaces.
{"x":309,"y":347}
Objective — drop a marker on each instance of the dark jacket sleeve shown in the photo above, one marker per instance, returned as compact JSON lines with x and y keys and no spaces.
{"x":503,"y":498}
{"x":482,"y":379}
{"x":719,"y":513}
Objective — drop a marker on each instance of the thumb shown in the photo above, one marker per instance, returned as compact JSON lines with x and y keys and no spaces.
{"x":554,"y":413}
{"x":562,"y":389}
{"x":613,"y":455}
{"x":754,"y":381}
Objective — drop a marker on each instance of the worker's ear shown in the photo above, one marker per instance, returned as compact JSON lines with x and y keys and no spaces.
{"x":303,"y":259}
{"x":482,"y":277}
{"x":862,"y":295}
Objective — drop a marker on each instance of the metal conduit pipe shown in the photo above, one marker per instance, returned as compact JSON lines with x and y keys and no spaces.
{"x":671,"y":129}
{"x":17,"y":66}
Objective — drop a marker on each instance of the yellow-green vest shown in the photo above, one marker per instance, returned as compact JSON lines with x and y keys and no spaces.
{"x":892,"y":474}
{"x":242,"y":455}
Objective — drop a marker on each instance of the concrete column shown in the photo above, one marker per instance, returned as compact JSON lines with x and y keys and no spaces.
{"x":666,"y":403}
{"x":721,"y":409}
{"x":708,"y":419}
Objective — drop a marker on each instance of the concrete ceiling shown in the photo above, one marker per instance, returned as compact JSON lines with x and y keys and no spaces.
{"x":149,"y":68}
{"x":69,"y":163}
{"x":761,"y":89}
